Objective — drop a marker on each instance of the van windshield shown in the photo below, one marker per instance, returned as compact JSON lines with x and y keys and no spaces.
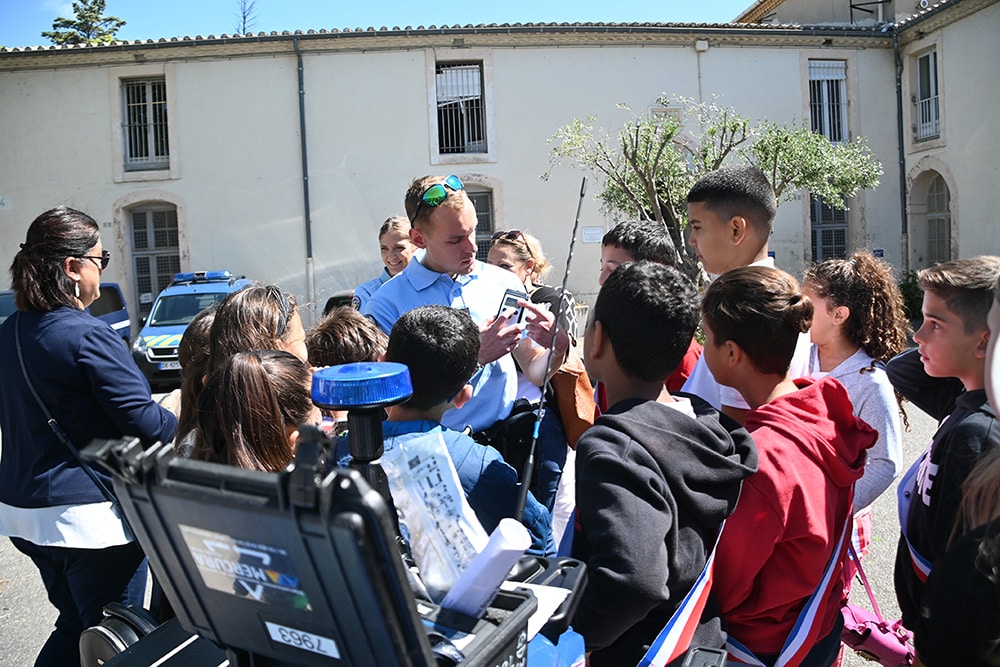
{"x":181,"y":309}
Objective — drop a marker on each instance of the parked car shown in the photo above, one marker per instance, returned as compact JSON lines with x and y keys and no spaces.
{"x":110,"y":307}
{"x":342,"y":298}
{"x":155,"y":347}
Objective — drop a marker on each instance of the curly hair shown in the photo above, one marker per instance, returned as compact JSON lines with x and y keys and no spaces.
{"x":866,"y":286}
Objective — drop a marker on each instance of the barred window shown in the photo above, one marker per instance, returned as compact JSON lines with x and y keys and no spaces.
{"x":155,"y":251}
{"x":145,"y":124}
{"x":461,"y":108}
{"x":828,"y":98}
{"x":483,"y":201}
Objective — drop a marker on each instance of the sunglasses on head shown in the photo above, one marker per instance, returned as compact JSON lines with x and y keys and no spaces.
{"x":507,"y":235}
{"x":102,"y":261}
{"x":437,"y":193}
{"x":513,"y":235}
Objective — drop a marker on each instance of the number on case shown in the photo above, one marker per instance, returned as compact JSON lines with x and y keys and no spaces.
{"x":306,"y":641}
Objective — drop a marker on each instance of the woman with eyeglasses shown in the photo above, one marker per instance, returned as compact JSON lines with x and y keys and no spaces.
{"x":61,"y":364}
{"x":522,"y":255}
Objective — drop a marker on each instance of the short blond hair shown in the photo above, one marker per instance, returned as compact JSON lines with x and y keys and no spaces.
{"x":418,"y":218}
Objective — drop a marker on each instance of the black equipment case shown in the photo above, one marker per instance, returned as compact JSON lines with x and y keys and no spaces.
{"x":291,"y":568}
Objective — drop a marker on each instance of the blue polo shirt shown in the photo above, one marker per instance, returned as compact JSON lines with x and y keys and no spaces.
{"x":480,"y":292}
{"x":364,"y":291}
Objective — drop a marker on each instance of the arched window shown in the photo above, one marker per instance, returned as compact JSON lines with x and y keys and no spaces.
{"x":938,"y":221}
{"x":155,"y":250}
{"x":483,"y":201}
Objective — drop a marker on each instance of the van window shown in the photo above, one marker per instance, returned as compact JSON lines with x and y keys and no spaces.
{"x":109,"y":301}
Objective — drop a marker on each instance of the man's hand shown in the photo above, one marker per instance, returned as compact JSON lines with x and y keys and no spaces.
{"x":500,"y":336}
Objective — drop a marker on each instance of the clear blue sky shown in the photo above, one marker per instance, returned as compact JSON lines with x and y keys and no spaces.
{"x":22,"y":21}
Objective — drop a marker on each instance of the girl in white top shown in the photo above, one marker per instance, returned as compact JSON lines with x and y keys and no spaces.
{"x":860,"y":323}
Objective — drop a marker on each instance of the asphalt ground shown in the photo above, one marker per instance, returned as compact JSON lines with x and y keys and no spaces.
{"x":26,"y":617}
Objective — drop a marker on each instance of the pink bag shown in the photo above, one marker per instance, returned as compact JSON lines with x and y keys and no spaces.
{"x":870,"y":635}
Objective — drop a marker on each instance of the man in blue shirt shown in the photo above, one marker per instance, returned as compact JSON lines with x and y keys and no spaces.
{"x":444,"y":221}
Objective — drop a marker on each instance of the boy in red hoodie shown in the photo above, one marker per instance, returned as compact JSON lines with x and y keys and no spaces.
{"x":786,"y":539}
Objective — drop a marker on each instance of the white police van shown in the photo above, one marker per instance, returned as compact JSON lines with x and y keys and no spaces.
{"x":155,"y":348}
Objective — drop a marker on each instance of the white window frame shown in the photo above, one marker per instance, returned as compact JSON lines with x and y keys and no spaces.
{"x":152,"y":253}
{"x":938,"y":221}
{"x":145,"y":123}
{"x":828,"y":99}
{"x":926,"y":99}
{"x":460,"y":56}
{"x":165,"y":170}
{"x":830,"y":228}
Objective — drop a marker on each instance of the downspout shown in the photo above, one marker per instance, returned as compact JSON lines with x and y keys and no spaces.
{"x":900,"y":139}
{"x":307,"y":213}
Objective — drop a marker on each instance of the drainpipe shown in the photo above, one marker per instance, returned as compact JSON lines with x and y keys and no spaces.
{"x":307,"y":213}
{"x":900,"y":139}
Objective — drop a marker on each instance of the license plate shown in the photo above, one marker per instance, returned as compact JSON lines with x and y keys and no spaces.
{"x":170,"y":365}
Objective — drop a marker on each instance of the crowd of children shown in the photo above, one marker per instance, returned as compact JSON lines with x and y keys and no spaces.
{"x":752,"y":456}
{"x":743,"y":453}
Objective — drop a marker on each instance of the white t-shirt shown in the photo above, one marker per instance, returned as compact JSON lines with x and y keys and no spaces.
{"x":702,"y":383}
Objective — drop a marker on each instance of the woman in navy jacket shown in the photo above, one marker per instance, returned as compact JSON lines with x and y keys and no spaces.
{"x":52,"y":511}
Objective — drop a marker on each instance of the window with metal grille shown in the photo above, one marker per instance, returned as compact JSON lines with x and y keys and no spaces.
{"x":928,"y":111}
{"x":461,"y":108}
{"x":155,"y":252}
{"x":828,"y":98}
{"x":483,"y":201}
{"x":144,"y":124}
{"x":829,"y":230}
{"x":938,"y":221}
{"x":828,"y":116}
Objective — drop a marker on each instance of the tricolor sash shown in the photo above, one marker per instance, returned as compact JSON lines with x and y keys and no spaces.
{"x":803,"y":636}
{"x":675,"y":637}
{"x":904,"y":495}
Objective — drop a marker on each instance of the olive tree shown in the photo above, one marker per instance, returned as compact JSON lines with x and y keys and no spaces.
{"x":648,"y":166}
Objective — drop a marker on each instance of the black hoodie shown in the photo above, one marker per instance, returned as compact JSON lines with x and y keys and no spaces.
{"x":652,"y":485}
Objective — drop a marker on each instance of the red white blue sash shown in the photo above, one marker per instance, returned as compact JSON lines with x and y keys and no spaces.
{"x":675,"y":637}
{"x":905,"y":493}
{"x":803,"y":636}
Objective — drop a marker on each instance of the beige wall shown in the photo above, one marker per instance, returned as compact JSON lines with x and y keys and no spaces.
{"x":236,"y":178}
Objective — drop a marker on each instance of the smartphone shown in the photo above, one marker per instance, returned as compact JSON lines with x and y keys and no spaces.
{"x":509,"y":303}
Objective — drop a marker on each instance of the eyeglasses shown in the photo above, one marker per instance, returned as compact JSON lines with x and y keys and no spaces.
{"x":437,"y":193}
{"x":102,"y":261}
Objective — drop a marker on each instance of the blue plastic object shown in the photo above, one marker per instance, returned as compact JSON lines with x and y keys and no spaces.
{"x":542,"y":652}
{"x":360,"y":386}
{"x":571,"y":649}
